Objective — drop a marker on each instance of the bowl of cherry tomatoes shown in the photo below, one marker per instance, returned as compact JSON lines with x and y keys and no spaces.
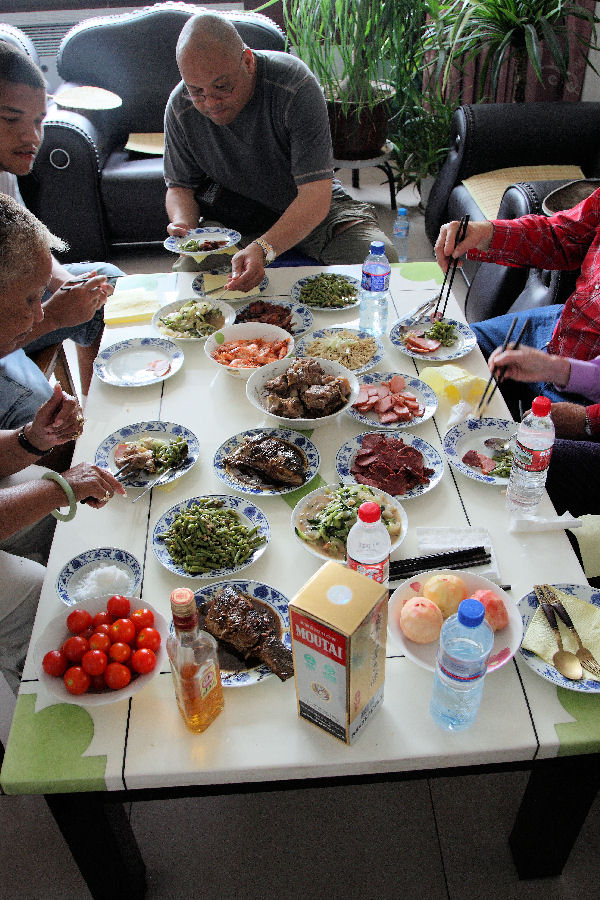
{"x":102,"y":650}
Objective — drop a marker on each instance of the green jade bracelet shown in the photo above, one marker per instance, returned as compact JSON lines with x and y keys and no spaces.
{"x":64,"y":484}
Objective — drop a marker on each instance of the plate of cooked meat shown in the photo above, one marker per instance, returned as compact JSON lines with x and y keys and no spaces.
{"x":266,"y":461}
{"x":466,"y":450}
{"x":442,"y":341}
{"x":390,"y":400}
{"x":148,"y":449}
{"x":404,"y":466}
{"x":209,"y":239}
{"x":294,"y":317}
{"x":250,"y":622}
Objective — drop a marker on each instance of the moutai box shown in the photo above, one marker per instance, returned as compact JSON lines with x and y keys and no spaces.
{"x":338,"y":622}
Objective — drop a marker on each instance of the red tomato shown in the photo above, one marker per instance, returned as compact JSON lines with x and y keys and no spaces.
{"x":143,"y":661}
{"x":94,"y":662}
{"x":117,"y":676}
{"x":55,"y":663}
{"x":119,"y":652}
{"x":142,"y":618}
{"x":97,"y":684}
{"x":99,"y":641}
{"x":74,"y":648}
{"x":78,"y":621}
{"x":104,"y":628}
{"x":118,"y":606}
{"x":77,"y":681}
{"x":148,"y":638}
{"x":102,"y":618}
{"x":122,"y":630}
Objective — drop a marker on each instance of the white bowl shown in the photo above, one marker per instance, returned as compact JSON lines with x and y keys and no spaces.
{"x":55,"y":634}
{"x":245,"y":331}
{"x":227,"y":311}
{"x":258,"y":379}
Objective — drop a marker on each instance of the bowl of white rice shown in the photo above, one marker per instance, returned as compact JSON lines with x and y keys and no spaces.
{"x":94,"y":573}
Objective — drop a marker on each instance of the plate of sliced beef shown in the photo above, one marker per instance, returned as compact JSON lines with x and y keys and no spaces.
{"x":404,"y":466}
{"x":415,"y":342}
{"x":466,"y":451}
{"x":392,"y":400}
{"x":266,"y":461}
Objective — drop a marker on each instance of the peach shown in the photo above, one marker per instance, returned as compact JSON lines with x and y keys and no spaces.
{"x":495,"y":610}
{"x":420,"y":620}
{"x":446,"y":591}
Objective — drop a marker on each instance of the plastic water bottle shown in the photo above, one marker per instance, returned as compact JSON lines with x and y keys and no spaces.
{"x":375,"y":294}
{"x":368,"y":544}
{"x":531,"y":457}
{"x":466,"y":641}
{"x":401,"y":229}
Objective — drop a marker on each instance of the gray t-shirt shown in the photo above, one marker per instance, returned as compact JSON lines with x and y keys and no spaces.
{"x":279,"y":140}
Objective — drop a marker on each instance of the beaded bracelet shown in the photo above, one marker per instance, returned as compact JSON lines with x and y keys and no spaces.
{"x":64,"y":484}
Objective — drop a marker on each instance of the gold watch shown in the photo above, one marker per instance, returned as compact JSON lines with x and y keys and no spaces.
{"x":267,"y":249}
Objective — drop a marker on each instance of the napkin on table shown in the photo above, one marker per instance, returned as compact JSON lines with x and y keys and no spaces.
{"x":435,"y":540}
{"x":540,"y":639}
{"x":211,"y":282}
{"x":542,"y":523}
{"x":135,"y":299}
{"x":588,"y":538}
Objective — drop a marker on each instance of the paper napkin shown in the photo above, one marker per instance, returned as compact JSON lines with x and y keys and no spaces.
{"x":435,"y":540}
{"x":131,"y":305}
{"x":543,"y":523}
{"x":211,"y":282}
{"x":588,"y":538}
{"x":540,"y":639}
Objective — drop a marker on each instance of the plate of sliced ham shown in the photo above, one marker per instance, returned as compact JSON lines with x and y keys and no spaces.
{"x":390,"y":400}
{"x":466,"y":451}
{"x":415,"y":343}
{"x":404,"y":466}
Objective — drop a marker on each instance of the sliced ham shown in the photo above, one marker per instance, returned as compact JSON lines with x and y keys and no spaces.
{"x":397,"y":384}
{"x":479,"y":461}
{"x":422,"y":344}
{"x":390,"y":401}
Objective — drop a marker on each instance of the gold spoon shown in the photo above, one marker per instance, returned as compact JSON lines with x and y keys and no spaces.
{"x":564,"y":661}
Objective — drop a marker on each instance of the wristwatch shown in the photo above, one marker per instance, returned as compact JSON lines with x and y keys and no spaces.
{"x":26,"y":444}
{"x":588,"y":424}
{"x":267,"y":249}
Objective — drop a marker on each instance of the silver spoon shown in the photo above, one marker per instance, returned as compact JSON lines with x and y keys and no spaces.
{"x":564,"y":661}
{"x":498,"y":444}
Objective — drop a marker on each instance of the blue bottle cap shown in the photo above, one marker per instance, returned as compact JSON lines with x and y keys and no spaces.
{"x":471,"y":612}
{"x":402,"y":211}
{"x":377,"y":247}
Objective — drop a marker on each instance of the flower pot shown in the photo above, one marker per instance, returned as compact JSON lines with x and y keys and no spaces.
{"x":425,"y":186}
{"x":360,"y":132}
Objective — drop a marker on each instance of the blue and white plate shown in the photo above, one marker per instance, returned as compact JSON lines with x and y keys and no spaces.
{"x":207,"y":233}
{"x":463,"y":344}
{"x":527,"y":607}
{"x":270,"y":597}
{"x":302,"y":345}
{"x":424,"y":394}
{"x":250,"y":516}
{"x":128,"y":363}
{"x":470,"y":435}
{"x":73,"y":574}
{"x":313,"y":459}
{"x":198,"y":288}
{"x":162,"y":431}
{"x":302,"y":318}
{"x":297,"y":287}
{"x":345,"y":458}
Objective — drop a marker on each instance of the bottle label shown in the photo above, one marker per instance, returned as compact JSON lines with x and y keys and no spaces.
{"x":531,"y":460}
{"x":466,"y":677}
{"x":209,"y":680}
{"x":379,"y":571}
{"x":375,"y":282}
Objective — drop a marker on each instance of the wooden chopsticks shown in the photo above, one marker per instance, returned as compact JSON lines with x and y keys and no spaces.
{"x":484,"y":401}
{"x":460,"y":236}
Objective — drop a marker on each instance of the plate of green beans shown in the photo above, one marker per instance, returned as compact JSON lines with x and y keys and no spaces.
{"x":329,"y":290}
{"x":211,"y":536}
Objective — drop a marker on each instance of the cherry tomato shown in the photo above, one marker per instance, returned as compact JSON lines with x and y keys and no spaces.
{"x":99,"y":641}
{"x":142,"y":618}
{"x":78,"y":621}
{"x":119,"y":652}
{"x":143,"y":661}
{"x":104,"y":628}
{"x":149,"y":638}
{"x":118,"y":606}
{"x":55,"y":663}
{"x":77,"y":681}
{"x":97,"y":684}
{"x":94,"y":662}
{"x":122,"y":630}
{"x":116,"y":676}
{"x":102,"y":618}
{"x":74,"y":648}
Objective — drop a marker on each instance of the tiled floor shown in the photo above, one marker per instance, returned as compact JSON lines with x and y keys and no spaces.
{"x":426,"y":838}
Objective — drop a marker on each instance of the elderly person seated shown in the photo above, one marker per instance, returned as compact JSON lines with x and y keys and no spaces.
{"x":26,"y":499}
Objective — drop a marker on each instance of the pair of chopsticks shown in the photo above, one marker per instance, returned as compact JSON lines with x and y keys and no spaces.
{"x":449,"y":559}
{"x":484,"y":402}
{"x":460,"y":236}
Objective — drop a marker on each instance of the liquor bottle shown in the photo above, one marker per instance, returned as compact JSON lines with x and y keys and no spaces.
{"x":368,"y":544}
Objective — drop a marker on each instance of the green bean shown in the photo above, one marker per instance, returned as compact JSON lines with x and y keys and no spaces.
{"x":328,"y":290}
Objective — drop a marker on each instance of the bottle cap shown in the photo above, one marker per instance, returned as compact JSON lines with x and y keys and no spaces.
{"x":402,"y":211}
{"x":369,"y":511}
{"x":377,"y":247}
{"x":471,"y":612}
{"x":541,"y":406}
{"x":183,"y":602}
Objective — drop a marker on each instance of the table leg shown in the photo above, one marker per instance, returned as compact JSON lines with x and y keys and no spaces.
{"x":554,"y":807}
{"x":103,"y":845}
{"x":385,"y":167}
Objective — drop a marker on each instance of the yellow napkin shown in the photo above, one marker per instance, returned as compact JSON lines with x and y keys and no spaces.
{"x":540,"y":639}
{"x":588,"y":538}
{"x":130,"y":305}
{"x":453,"y":383}
{"x":211,"y":282}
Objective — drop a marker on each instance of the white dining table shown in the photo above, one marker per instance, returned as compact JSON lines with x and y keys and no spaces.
{"x":133,"y":747}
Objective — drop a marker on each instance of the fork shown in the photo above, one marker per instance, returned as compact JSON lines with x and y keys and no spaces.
{"x":583,"y":653}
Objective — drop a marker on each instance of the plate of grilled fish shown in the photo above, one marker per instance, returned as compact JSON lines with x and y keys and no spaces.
{"x":266,"y":461}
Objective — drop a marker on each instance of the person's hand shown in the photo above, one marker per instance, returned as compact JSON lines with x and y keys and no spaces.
{"x":247,"y":269}
{"x":94,"y":485}
{"x":529,"y":364}
{"x":60,"y":419}
{"x":178,"y":229}
{"x":74,"y":304}
{"x":479,"y":236}
{"x":569,"y":420}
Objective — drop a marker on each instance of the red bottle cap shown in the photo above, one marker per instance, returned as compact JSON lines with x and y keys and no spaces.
{"x":541,"y":406}
{"x":369,"y":511}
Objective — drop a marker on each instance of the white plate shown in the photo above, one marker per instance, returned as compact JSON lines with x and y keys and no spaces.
{"x":270,"y":597}
{"x":302,"y":318}
{"x":124,"y":364}
{"x":250,"y":516}
{"x":299,"y":440}
{"x":306,"y":341}
{"x":424,"y":394}
{"x":506,"y":642}
{"x":162,"y":431}
{"x":74,"y":572}
{"x":198,"y":288}
{"x":227,"y":311}
{"x":55,"y":634}
{"x":208,"y":233}
{"x":379,"y":496}
{"x":345,"y":458}
{"x":464,"y":343}
{"x":527,"y":607}
{"x":297,"y":287}
{"x":470,"y":435}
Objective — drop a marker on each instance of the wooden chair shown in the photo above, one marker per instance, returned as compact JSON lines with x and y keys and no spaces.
{"x":52,"y":360}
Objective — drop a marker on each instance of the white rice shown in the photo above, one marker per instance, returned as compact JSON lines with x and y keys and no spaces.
{"x":105,"y":578}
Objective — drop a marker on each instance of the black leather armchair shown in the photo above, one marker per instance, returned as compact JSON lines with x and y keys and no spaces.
{"x":85,"y":186}
{"x":486,"y":137}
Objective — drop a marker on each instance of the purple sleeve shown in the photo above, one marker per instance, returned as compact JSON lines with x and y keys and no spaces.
{"x":585,"y":378}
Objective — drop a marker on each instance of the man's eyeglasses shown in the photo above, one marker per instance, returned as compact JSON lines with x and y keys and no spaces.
{"x":225,"y":89}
